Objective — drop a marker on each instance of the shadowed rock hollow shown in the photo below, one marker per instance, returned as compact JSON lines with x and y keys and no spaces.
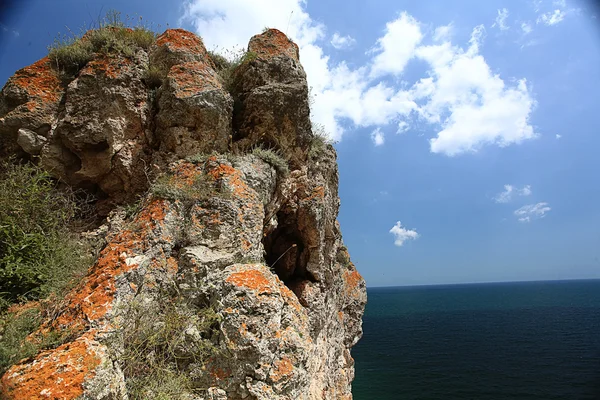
{"x":259,"y":247}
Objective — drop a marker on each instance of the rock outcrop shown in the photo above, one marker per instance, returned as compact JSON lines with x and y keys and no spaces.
{"x":248,"y":259}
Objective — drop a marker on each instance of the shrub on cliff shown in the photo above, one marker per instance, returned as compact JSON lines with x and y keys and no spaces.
{"x":226,"y":64}
{"x":113,"y":36}
{"x":273,"y":158}
{"x":38,"y":254}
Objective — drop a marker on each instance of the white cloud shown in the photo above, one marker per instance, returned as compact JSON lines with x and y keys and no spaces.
{"x":471,"y":105}
{"x":377,"y":137}
{"x":402,"y":127}
{"x":532,"y":211}
{"x":402,"y":234}
{"x":342,"y":42}
{"x":510,"y":191}
{"x":231,"y":23}
{"x":558,"y":136}
{"x":526,"y":28}
{"x":501,"y":20}
{"x":551,"y":17}
{"x":397,"y":46}
{"x":443,"y":33}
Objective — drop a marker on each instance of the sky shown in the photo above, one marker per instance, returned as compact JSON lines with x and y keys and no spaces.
{"x":467,"y":132}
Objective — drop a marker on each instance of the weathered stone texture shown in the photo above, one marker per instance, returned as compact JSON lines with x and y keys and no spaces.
{"x":263,"y":249}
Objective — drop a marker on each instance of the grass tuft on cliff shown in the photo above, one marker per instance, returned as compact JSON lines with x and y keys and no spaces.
{"x":320,"y":140}
{"x":162,"y":341}
{"x":69,"y":53}
{"x":227,"y":63}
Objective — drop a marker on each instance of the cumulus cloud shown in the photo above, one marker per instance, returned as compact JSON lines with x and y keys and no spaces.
{"x":510,"y":191}
{"x":473,"y":106}
{"x":532,"y":211}
{"x":397,"y":46}
{"x":501,"y":20}
{"x":342,"y":42}
{"x":377,"y":137}
{"x":402,"y":234}
{"x":459,"y":95}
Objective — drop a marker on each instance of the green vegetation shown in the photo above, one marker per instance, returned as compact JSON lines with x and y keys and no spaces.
{"x":38,"y":253}
{"x":154,"y":77}
{"x":162,"y":339}
{"x":14,"y":329}
{"x":273,"y":158}
{"x":227,"y":64}
{"x":320,"y":140}
{"x":69,"y":53}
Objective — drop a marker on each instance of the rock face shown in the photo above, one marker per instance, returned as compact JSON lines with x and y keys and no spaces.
{"x":226,"y":233}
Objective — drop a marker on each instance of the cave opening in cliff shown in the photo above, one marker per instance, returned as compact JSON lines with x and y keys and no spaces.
{"x":287,"y":255}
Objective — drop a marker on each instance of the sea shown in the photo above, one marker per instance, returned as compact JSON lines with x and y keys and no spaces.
{"x":518,"y":340}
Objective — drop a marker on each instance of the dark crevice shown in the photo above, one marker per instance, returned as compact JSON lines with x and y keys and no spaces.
{"x":287,"y":254}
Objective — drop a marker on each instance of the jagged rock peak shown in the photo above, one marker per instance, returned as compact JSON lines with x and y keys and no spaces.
{"x":233,"y":265}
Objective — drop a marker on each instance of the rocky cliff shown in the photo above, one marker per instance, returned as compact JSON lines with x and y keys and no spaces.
{"x":231,"y":274}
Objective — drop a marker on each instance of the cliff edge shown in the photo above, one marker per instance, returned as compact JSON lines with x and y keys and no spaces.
{"x":230,"y":280}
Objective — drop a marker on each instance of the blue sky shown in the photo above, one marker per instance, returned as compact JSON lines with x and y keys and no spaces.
{"x":467,"y":131}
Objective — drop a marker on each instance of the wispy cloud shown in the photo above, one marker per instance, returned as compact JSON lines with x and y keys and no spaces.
{"x":510,"y":192}
{"x":443,"y":33}
{"x":377,"y":137}
{"x":532,"y":211}
{"x":558,"y":136}
{"x":526,"y":28}
{"x":551,"y":17}
{"x":342,"y":42}
{"x":402,"y":234}
{"x":501,"y":19}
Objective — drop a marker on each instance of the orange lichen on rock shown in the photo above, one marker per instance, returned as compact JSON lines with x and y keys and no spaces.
{"x":186,"y":173}
{"x":234,"y":179}
{"x":55,"y":374}
{"x":246,"y":244}
{"x":193,"y":77}
{"x":218,"y":373}
{"x":318,"y":192}
{"x":273,"y":43}
{"x":352,"y":280}
{"x":283,"y":369}
{"x":41,"y":83}
{"x":181,"y":40}
{"x":252,"y":279}
{"x":111,"y":66}
{"x":93,"y":298}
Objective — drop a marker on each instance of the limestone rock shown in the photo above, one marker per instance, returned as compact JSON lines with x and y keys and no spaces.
{"x":194,"y":111}
{"x":272,"y":93}
{"x":30,"y":141}
{"x":245,"y":265}
{"x":100,"y":137}
{"x":29,"y":100}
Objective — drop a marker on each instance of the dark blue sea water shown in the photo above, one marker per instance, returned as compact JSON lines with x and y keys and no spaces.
{"x":533,"y":340}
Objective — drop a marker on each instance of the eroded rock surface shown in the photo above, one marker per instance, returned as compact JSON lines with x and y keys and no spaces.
{"x":260,"y":249}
